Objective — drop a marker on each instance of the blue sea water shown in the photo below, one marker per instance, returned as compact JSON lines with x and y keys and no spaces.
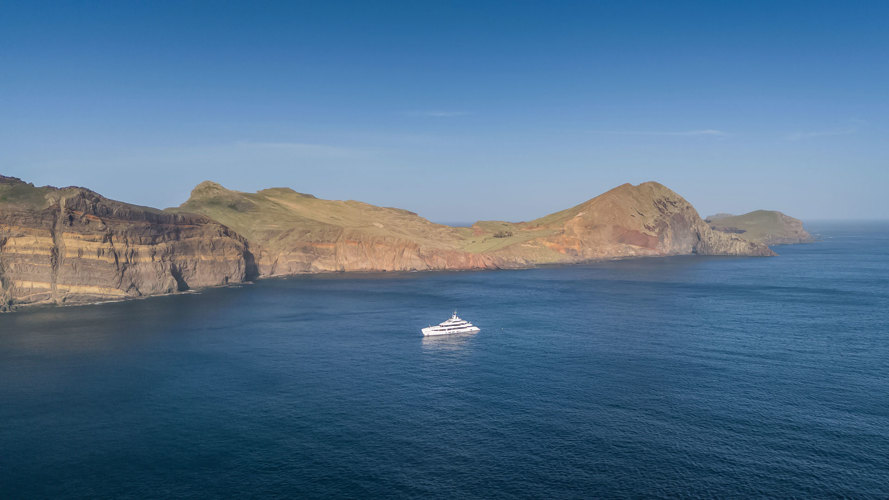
{"x":686,"y":376}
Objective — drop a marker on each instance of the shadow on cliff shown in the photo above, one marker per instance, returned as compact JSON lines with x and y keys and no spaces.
{"x":251,"y":270}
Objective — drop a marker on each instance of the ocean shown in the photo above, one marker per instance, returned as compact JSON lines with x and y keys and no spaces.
{"x":681,"y":376}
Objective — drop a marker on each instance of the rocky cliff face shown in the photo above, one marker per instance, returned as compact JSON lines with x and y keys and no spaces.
{"x":355,"y":251}
{"x":631,"y":221}
{"x":72,"y":245}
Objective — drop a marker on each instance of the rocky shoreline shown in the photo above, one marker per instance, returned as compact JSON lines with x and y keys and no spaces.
{"x":67,"y":246}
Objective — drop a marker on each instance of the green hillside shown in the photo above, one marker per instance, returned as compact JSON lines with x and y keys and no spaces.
{"x":767,"y":226}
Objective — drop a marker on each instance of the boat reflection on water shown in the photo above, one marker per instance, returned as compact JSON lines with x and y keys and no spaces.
{"x":448,"y":343}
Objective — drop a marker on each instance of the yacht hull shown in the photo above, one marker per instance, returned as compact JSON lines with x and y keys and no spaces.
{"x":433,"y":331}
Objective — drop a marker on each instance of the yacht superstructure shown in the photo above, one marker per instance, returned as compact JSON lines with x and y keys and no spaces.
{"x":453,"y":325}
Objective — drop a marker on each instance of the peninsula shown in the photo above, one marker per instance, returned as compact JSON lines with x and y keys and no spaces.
{"x":72,"y":245}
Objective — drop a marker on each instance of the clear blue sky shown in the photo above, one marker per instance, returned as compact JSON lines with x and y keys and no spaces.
{"x":456,"y":110}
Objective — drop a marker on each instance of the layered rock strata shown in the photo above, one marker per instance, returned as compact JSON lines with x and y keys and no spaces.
{"x":72,"y":245}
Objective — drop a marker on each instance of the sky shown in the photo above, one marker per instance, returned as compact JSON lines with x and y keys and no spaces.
{"x":459,"y":111}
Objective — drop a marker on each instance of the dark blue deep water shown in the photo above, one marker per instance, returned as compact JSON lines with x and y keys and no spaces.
{"x":689,"y":376}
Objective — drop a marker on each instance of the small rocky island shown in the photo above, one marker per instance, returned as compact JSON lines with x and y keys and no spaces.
{"x":767,"y":226}
{"x":72,"y":245}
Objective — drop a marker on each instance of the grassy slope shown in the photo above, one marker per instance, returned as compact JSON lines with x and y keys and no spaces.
{"x":281,"y":219}
{"x":19,"y":195}
{"x":278,"y":217}
{"x":547,"y":225}
{"x":23,"y":195}
{"x":484,"y":239}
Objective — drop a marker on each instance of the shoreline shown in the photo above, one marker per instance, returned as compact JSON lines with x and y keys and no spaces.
{"x":48,"y":305}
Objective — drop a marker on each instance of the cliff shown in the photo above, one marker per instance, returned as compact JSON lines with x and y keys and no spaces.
{"x":628,"y":221}
{"x":763,"y":226}
{"x":72,"y":245}
{"x":291,"y":232}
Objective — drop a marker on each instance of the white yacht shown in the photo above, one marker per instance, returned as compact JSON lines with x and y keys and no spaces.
{"x":453,"y":325}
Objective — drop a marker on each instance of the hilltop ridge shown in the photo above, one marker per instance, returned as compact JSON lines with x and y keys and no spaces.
{"x":293,"y":233}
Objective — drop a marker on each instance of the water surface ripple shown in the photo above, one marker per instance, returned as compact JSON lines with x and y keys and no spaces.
{"x":684,"y":376}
